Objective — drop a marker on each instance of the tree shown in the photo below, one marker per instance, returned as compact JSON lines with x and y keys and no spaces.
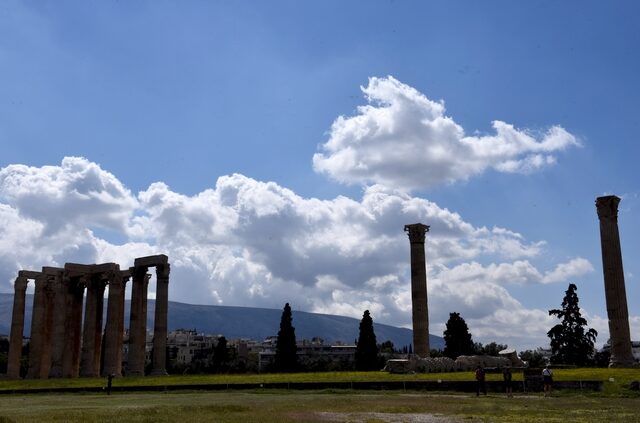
{"x":220,"y":355}
{"x":492,"y":348}
{"x":457,"y":339}
{"x":571,"y":342}
{"x":286,"y":359}
{"x":387,"y":347}
{"x":4,"y":355}
{"x":533,"y":358}
{"x":366,"y":348}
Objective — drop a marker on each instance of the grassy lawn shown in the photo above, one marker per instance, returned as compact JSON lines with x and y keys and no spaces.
{"x":620,"y":379}
{"x":296,"y":406}
{"x":615,"y":403}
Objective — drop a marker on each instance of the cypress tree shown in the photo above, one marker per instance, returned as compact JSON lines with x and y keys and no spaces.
{"x":221,"y":355}
{"x":286,"y":359}
{"x":457,"y":339}
{"x":366,"y":348}
{"x":571,"y":343}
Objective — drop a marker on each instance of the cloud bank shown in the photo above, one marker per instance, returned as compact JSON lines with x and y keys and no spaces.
{"x":402,"y":139}
{"x":253,"y":243}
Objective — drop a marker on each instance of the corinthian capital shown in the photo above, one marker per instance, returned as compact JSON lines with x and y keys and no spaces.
{"x":608,"y":207}
{"x":20,"y":283}
{"x":162,"y":271}
{"x":416,"y":232}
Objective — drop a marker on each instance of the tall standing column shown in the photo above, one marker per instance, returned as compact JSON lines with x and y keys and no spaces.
{"x":419,"y":300}
{"x":114,"y":330}
{"x":160,"y":320}
{"x":75,"y":298}
{"x":138,"y":322}
{"x":125,"y":275}
{"x":46,"y":346}
{"x":17,"y":327}
{"x":614,"y":287}
{"x":37,"y":325}
{"x":60,"y":333}
{"x":92,"y":332}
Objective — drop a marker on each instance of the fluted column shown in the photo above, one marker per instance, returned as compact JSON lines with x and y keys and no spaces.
{"x":138,"y":321}
{"x":419,"y":300}
{"x":59,"y":332}
{"x":160,"y":320}
{"x":47,"y":329}
{"x":37,"y":326}
{"x":114,"y":329}
{"x":92,"y":331}
{"x":614,"y":286}
{"x":17,"y":327}
{"x":72,"y":348}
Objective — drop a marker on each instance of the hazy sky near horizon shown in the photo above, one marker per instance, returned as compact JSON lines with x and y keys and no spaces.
{"x":275,"y":150}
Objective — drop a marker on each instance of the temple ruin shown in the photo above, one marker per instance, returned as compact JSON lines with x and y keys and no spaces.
{"x":63,"y":345}
{"x":420,"y":313}
{"x":614,"y":287}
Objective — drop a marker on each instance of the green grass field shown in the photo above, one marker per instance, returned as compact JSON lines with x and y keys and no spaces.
{"x":296,"y":406}
{"x":615,"y":404}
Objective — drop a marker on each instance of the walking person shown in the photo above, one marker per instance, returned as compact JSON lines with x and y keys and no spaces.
{"x":480,"y":385}
{"x":507,"y":376}
{"x":547,"y":380}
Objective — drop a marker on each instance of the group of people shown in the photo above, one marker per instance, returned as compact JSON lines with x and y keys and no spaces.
{"x":547,"y":381}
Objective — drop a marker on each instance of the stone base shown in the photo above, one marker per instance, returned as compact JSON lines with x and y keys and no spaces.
{"x":624,"y":365}
{"x":415,"y":364}
{"x":159,"y":372}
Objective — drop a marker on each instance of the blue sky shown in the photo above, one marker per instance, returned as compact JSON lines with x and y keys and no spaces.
{"x":274,"y":150}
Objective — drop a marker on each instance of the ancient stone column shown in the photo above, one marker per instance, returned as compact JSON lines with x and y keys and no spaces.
{"x":92,"y":332}
{"x":614,"y":287}
{"x":72,"y":348}
{"x":416,"y":234}
{"x":37,"y":327}
{"x":46,"y":347}
{"x":17,"y":327}
{"x":114,"y":329}
{"x":138,"y":321}
{"x":59,"y":332}
{"x":160,"y":320}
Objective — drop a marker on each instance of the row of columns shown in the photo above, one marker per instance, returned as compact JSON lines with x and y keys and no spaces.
{"x":62,"y":345}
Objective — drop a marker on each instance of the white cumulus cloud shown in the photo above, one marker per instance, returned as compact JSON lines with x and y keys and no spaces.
{"x":403,"y":139}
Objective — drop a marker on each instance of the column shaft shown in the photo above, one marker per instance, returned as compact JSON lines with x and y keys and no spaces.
{"x":114,"y":329}
{"x":92,"y":332}
{"x":138,"y":322}
{"x":60,"y":333}
{"x":17,"y":328}
{"x":47,"y":329}
{"x":71,"y":359}
{"x":615,"y":292}
{"x":37,"y":325}
{"x":420,"y":314}
{"x":160,"y":321}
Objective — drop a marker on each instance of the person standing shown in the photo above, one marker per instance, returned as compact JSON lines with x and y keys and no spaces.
{"x":547,"y":380}
{"x":480,"y":384}
{"x":507,"y":376}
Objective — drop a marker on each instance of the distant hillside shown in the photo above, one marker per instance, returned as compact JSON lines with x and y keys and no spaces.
{"x":245,"y":322}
